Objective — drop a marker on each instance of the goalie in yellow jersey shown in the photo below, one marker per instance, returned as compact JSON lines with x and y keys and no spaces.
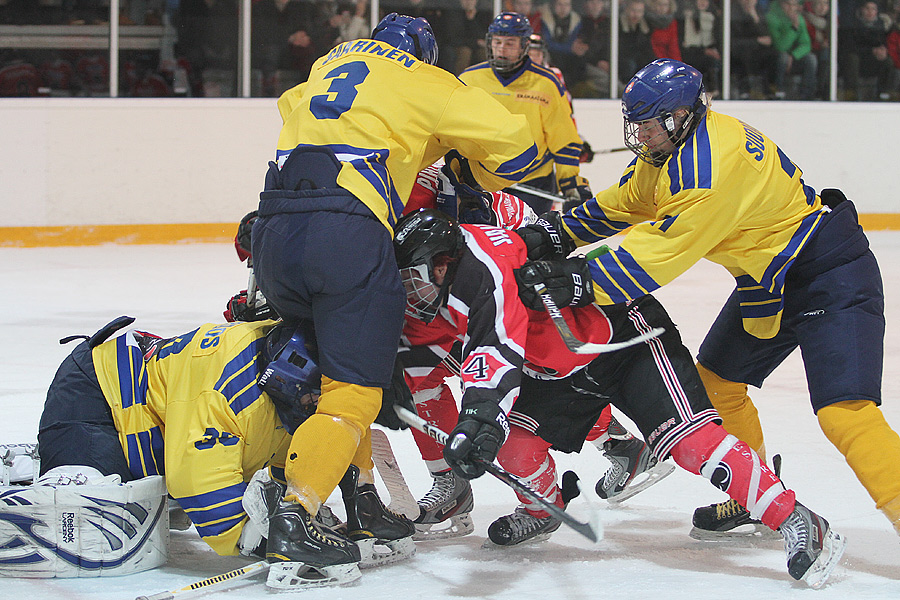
{"x":706,"y":185}
{"x":373,"y":113}
{"x":213,"y":411}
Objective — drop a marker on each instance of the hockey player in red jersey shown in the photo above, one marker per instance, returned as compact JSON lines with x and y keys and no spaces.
{"x":469,"y":273}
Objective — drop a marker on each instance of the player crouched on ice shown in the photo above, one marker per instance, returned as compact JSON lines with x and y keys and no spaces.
{"x":206,"y":416}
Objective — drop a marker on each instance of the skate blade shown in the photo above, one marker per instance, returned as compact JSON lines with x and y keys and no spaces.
{"x":455,"y":526}
{"x":649,"y":478}
{"x":748,"y":532}
{"x":832,"y":550}
{"x":293,"y":576}
{"x":541,"y":537}
{"x":377,"y":553}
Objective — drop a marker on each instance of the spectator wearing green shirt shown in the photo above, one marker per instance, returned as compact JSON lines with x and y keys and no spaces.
{"x":791,"y":38}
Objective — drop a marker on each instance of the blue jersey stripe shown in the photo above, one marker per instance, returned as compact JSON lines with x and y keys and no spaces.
{"x":238,"y":379}
{"x":133,"y":455}
{"x":520,"y":166}
{"x":147,"y":453}
{"x":704,"y":157}
{"x":644,"y":280}
{"x":775,"y":273}
{"x":620,"y":275}
{"x":176,"y":345}
{"x":219,"y":512}
{"x":587,"y":221}
{"x":218,"y":528}
{"x":602,"y":280}
{"x":207,"y":499}
{"x":128,"y":367}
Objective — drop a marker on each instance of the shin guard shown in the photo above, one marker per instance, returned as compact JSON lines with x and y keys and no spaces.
{"x":737,"y":470}
{"x":527,"y":456}
{"x":739,"y":416}
{"x":857,"y":428}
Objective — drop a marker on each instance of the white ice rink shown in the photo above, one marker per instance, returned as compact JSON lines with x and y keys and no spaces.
{"x":49,"y":293}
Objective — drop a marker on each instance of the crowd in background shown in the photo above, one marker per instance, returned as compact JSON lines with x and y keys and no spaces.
{"x":779,"y":48}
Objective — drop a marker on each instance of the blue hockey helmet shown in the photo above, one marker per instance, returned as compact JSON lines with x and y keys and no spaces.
{"x":410,"y":34}
{"x":289,"y":374}
{"x":423,"y":241}
{"x":656,"y":94}
{"x":513,"y":25}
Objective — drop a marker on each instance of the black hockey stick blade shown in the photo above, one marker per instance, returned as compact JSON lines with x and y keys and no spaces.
{"x":585,"y":529}
{"x":573,"y":343}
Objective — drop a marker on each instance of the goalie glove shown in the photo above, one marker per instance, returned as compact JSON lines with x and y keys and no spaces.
{"x":545,"y":239}
{"x":481,"y":430}
{"x":242,"y":239}
{"x":567,"y":281}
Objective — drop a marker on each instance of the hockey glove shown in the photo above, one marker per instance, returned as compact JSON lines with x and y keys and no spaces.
{"x":567,"y":281}
{"x":396,"y":395}
{"x":237,"y":309}
{"x":545,"y":239}
{"x":587,"y":153}
{"x":475,"y":441}
{"x":242,"y":239}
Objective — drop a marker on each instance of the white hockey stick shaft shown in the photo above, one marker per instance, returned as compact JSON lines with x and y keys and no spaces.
{"x":527,"y":189}
{"x":588,"y":530}
{"x":402,"y":500}
{"x":210,"y":583}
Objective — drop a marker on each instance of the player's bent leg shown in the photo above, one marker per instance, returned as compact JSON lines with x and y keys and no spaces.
{"x":527,"y":456}
{"x":333,"y":434}
{"x":857,"y":428}
{"x":812,"y":547}
{"x":739,"y":415}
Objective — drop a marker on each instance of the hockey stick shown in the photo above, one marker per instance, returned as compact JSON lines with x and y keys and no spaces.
{"x":527,"y":189}
{"x":588,"y":530}
{"x":402,"y":500}
{"x":612,"y":150}
{"x":210,"y":583}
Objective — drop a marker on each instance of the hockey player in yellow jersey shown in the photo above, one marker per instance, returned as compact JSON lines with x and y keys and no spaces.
{"x":372,"y":114}
{"x":706,"y":185}
{"x":213,"y":411}
{"x":530,"y":89}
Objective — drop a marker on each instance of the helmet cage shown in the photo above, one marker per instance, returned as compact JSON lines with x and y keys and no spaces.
{"x":423,"y":294}
{"x":672,"y":128}
{"x":512,"y":25}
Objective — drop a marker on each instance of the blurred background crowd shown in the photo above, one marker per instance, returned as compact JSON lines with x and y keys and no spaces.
{"x":776,"y":49}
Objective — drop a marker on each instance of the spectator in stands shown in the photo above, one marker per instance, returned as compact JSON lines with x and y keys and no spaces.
{"x":752,"y":54}
{"x":527,"y":8}
{"x":660,"y":15}
{"x":635,"y":48}
{"x":795,"y":57}
{"x":208,"y":39}
{"x":893,"y":40}
{"x":701,"y":30}
{"x":592,"y":44}
{"x":281,"y":46}
{"x":864,"y":53}
{"x":560,"y":28}
{"x":818,"y":24}
{"x":351,"y":21}
{"x":465,"y":31}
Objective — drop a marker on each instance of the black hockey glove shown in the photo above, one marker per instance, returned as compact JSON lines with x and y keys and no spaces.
{"x":481,"y":430}
{"x":242,"y":239}
{"x":567,"y":281}
{"x":587,"y":153}
{"x":546,"y":239}
{"x":237,"y":309}
{"x":396,"y":395}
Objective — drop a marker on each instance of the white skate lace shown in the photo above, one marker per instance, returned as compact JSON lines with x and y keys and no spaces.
{"x":441,"y":492}
{"x":795,"y":534}
{"x":614,"y":473}
{"x":521,"y":523}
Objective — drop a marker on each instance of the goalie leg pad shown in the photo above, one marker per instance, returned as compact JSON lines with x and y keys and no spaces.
{"x":89,"y":530}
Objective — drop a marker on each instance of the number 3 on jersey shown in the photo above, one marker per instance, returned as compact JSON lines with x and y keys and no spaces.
{"x":342,"y":91}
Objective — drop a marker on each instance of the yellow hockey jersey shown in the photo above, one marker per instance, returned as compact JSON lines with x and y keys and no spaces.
{"x":192,"y":411}
{"x":387,"y":115}
{"x":728,"y":194}
{"x":536,"y":93}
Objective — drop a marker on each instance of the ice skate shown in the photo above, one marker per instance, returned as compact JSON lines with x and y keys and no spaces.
{"x":447,"y":504}
{"x":383,"y":536}
{"x":727,"y":520}
{"x":813,"y":548}
{"x":303,"y":556}
{"x":521,"y":526}
{"x":633,"y":469}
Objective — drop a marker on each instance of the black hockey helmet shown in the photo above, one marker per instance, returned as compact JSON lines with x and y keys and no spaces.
{"x":424,"y":240}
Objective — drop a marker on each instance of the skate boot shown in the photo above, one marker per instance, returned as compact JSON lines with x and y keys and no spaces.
{"x":449,"y":500}
{"x":729,"y":520}
{"x":383,"y":536}
{"x":633,"y":469}
{"x":521,"y":526}
{"x":303,"y":556}
{"x":813,"y":548}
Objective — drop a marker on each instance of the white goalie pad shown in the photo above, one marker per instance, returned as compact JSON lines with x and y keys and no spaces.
{"x":89,"y":530}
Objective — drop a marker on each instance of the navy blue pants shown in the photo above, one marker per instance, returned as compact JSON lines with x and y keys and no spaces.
{"x":76,"y":426}
{"x":833,"y":310}
{"x":319,"y":253}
